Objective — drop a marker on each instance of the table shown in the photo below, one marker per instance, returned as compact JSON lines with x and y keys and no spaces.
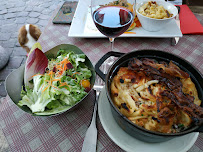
{"x":66,"y":132}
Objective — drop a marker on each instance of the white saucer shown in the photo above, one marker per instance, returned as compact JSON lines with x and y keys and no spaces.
{"x":129,"y":143}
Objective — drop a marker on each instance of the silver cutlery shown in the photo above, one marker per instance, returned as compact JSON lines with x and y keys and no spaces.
{"x":175,"y":40}
{"x":90,"y":140}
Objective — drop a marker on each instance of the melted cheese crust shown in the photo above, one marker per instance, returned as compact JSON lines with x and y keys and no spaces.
{"x":136,"y":97}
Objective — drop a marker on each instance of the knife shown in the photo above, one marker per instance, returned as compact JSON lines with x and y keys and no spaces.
{"x":176,"y":39}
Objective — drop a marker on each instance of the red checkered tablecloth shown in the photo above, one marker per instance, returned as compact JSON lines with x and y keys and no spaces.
{"x":66,"y":132}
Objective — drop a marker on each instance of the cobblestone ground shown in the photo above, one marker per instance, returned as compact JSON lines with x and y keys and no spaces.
{"x":13,"y":15}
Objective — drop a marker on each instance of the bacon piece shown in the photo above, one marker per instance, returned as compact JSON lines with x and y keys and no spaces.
{"x":153,"y":2}
{"x":135,"y":64}
{"x":174,"y":70}
{"x":169,"y":76}
{"x":138,"y":65}
{"x":186,"y":104}
{"x":165,"y":112}
{"x":168,"y":14}
{"x":171,"y":69}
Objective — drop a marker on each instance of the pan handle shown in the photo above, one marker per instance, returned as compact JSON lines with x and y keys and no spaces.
{"x":101,"y":61}
{"x":200,"y":129}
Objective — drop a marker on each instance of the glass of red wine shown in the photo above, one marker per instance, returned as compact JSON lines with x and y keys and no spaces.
{"x":112,"y":18}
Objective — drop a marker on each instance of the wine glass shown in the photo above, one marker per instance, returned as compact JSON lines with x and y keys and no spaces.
{"x":112,"y":17}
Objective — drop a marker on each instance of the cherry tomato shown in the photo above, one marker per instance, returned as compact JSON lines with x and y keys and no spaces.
{"x":85,"y":83}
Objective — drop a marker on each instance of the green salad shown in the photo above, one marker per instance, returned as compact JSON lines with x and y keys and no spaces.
{"x":65,"y":82}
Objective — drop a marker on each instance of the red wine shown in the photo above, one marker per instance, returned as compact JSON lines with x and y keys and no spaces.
{"x":112,"y":21}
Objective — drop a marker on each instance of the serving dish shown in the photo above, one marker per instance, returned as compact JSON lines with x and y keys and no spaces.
{"x":152,"y":24}
{"x":131,"y":144}
{"x":17,"y":77}
{"x":83,"y":26}
{"x":131,"y":128}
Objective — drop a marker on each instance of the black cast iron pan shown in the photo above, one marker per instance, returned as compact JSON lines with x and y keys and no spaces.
{"x":131,"y":128}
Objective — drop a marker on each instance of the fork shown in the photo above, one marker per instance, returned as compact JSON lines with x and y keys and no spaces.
{"x":90,"y":140}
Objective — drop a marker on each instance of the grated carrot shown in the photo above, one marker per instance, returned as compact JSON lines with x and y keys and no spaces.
{"x":64,"y":84}
{"x":61,"y":67}
{"x":46,"y":88}
{"x":76,"y":73}
{"x":129,"y":32}
{"x":37,"y":75}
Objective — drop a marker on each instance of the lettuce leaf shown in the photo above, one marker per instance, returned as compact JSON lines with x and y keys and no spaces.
{"x":49,"y":95}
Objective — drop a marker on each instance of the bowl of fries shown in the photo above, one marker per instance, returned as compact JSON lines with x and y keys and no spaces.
{"x":155,"y":15}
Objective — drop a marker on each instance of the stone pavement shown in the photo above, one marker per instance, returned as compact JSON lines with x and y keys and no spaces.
{"x":13,"y":15}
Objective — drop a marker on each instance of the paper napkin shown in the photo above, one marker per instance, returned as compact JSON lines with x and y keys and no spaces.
{"x":189,"y":24}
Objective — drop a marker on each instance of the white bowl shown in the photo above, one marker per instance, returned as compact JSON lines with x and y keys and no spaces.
{"x":152,"y":24}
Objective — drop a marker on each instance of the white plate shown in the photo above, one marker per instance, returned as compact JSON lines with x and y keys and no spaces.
{"x":129,"y":143}
{"x":83,"y":26}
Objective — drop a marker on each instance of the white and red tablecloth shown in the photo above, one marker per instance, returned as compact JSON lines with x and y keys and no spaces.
{"x":66,"y":132}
